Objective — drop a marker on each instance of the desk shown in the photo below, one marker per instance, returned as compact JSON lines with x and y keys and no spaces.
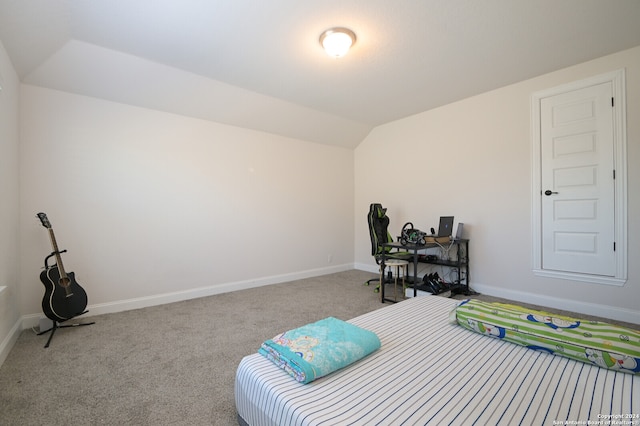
{"x":461,"y":263}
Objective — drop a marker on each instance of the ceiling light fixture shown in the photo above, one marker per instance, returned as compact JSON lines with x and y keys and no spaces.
{"x":337,"y":41}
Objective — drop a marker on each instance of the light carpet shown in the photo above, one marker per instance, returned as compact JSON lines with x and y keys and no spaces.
{"x":165,"y":365}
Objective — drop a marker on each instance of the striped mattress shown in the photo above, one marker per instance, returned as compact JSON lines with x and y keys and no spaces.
{"x":429,"y":371}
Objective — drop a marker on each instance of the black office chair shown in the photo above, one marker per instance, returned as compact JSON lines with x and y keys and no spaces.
{"x":378,"y":231}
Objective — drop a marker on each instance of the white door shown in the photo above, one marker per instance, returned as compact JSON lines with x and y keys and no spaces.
{"x":577,"y":181}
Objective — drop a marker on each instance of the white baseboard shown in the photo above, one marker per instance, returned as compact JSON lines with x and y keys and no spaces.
{"x":367,"y":267}
{"x":9,"y":341}
{"x":598,"y":310}
{"x":32,"y":320}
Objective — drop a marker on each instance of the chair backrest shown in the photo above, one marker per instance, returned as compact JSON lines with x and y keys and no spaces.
{"x":378,"y":228}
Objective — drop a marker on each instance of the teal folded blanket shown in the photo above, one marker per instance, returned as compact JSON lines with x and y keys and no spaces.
{"x":315,"y":350}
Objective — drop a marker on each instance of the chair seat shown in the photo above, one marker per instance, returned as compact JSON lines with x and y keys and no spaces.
{"x":396,"y":255}
{"x":396,"y":262}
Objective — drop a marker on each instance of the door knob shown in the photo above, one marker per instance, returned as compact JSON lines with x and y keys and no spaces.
{"x":549,"y":192}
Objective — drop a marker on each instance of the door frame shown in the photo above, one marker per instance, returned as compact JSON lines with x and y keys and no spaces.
{"x":618,"y":82}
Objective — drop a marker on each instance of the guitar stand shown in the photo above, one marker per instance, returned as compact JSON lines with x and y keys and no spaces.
{"x":56,"y":326}
{"x":46,"y":261}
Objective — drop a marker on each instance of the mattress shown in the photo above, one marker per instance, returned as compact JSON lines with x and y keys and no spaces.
{"x":429,"y":371}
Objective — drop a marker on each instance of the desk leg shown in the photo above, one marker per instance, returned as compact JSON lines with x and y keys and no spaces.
{"x":404,"y":275}
{"x":381,"y":284}
{"x":466,"y":267}
{"x":415,"y":273}
{"x":395,"y":285}
{"x":382,"y":279}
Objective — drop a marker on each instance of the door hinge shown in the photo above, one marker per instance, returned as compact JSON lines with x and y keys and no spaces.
{"x":614,"y":174}
{"x":614,"y":246}
{"x":612,"y":103}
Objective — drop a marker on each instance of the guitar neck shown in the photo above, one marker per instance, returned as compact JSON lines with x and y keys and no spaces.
{"x":56,"y":252}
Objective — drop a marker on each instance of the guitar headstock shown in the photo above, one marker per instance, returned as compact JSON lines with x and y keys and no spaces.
{"x":45,"y":221}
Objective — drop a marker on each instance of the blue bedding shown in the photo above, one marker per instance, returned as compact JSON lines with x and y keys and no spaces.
{"x":315,"y":350}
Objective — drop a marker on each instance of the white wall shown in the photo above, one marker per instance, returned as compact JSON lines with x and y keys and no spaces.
{"x":472,"y":159}
{"x":9,"y":206}
{"x":154,"y":207}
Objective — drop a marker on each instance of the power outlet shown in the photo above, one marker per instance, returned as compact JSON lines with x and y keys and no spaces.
{"x":329,"y":258}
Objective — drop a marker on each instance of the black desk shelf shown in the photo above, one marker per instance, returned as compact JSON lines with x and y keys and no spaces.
{"x":460,"y":263}
{"x":450,"y":263}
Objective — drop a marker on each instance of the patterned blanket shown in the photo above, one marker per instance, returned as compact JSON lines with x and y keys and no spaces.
{"x":606,"y":345}
{"x":315,"y":350}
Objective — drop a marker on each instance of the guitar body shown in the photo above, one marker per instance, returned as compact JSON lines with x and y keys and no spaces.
{"x":62,"y":302}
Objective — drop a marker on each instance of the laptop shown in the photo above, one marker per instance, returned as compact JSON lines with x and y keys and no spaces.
{"x":445,"y":228}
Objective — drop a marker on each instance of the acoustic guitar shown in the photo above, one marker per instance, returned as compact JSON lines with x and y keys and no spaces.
{"x":63,"y":298}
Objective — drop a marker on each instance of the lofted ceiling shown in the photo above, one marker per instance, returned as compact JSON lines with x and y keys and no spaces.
{"x":258,"y":64}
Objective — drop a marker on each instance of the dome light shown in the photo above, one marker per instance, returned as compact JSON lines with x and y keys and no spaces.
{"x":337,"y":41}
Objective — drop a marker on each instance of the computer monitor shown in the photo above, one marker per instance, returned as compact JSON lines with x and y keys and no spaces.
{"x":459,"y":231}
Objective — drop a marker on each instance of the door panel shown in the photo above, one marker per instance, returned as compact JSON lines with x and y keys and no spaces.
{"x":577,"y":162}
